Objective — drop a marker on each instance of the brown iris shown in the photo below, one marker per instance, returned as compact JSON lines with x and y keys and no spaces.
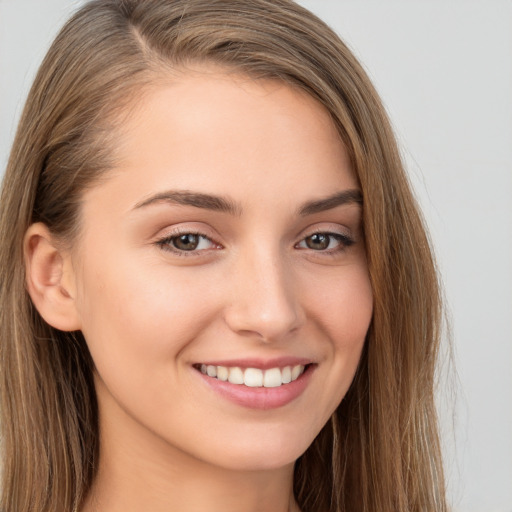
{"x":318,"y":241}
{"x":187,"y":242}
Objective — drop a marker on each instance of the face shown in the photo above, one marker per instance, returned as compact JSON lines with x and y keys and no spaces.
{"x":221,"y":279}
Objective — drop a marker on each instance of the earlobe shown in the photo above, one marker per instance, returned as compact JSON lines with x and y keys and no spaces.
{"x":50,"y":279}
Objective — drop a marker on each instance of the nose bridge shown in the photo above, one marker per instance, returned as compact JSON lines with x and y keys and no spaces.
{"x":264,"y":302}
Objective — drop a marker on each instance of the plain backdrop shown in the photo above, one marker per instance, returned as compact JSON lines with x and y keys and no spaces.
{"x":444,"y":70}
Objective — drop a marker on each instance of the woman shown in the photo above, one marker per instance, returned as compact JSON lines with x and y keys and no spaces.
{"x":217,"y":291}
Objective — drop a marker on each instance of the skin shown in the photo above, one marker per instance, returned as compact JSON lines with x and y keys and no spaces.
{"x":253,"y":288}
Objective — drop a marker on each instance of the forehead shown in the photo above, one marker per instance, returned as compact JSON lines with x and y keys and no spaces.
{"x":227,"y":134}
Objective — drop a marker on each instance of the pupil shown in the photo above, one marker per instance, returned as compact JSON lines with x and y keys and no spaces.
{"x":318,"y":241}
{"x":186,"y":242}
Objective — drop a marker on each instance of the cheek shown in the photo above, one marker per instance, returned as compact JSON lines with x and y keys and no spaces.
{"x":343,"y":313}
{"x":345,"y":307}
{"x":138,"y":314}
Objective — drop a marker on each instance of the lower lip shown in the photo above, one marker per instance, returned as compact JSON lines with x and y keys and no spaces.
{"x":260,"y":398}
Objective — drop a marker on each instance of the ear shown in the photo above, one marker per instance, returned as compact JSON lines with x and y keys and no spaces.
{"x":50,"y":279}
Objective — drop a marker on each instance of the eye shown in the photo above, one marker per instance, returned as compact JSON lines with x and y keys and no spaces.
{"x":181,"y":243}
{"x":329,"y":242}
{"x":189,"y":242}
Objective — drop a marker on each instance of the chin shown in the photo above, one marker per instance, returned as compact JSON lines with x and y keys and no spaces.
{"x":263,"y":453}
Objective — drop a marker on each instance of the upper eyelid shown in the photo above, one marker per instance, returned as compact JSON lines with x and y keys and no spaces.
{"x":177,"y":231}
{"x":339,"y":230}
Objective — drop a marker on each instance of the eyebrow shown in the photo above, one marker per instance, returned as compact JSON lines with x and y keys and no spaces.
{"x":196,"y":199}
{"x":347,"y":197}
{"x":226,"y":205}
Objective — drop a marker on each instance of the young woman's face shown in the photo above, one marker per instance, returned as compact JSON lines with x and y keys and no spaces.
{"x":228,"y":241}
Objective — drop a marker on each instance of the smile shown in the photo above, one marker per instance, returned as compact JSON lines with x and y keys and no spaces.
{"x":254,"y":377}
{"x":258,"y":384}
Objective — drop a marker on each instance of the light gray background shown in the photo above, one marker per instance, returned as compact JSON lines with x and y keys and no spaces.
{"x":444,"y":69}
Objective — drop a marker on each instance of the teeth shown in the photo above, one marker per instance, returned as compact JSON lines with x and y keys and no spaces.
{"x":222,"y":373}
{"x":254,"y":377}
{"x":296,"y":371}
{"x":236,"y":376}
{"x":272,"y":378}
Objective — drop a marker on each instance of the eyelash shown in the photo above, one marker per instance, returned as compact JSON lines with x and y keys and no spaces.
{"x":166,"y":243}
{"x":344,"y":241}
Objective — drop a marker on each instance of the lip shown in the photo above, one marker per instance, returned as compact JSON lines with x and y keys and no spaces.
{"x":259,"y":398}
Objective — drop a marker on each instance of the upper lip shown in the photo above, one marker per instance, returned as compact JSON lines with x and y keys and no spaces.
{"x":262,"y":364}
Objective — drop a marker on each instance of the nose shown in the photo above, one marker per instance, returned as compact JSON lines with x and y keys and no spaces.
{"x":263,"y":301}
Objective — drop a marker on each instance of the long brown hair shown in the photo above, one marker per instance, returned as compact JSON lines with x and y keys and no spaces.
{"x":380,"y":450}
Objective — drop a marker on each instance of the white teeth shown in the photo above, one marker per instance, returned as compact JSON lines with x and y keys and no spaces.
{"x":222,"y":373}
{"x":296,"y":371}
{"x":236,"y":376}
{"x":272,"y":378}
{"x":254,"y":377}
{"x":286,"y":375}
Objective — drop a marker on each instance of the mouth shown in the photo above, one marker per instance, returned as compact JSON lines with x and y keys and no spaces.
{"x":254,"y":377}
{"x":258,"y":384}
